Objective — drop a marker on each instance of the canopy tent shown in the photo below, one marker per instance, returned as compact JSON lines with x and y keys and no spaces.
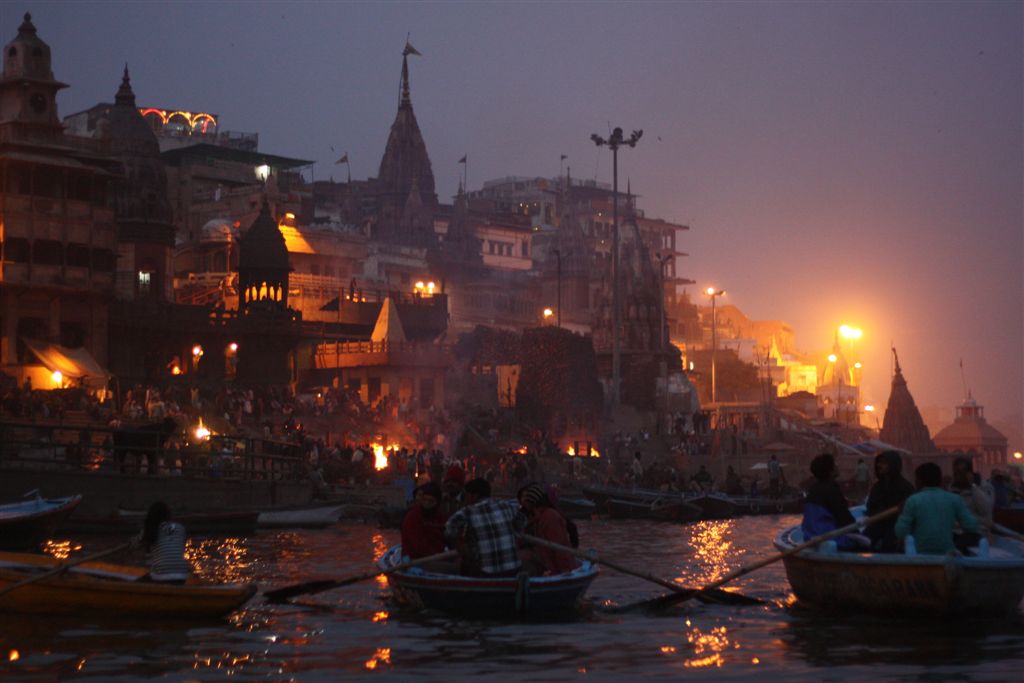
{"x":72,"y":363}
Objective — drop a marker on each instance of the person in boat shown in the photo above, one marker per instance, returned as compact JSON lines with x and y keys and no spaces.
{"x":733,"y":486}
{"x":825,"y":508}
{"x":454,"y":480}
{"x":703,"y":479}
{"x":890,"y":490}
{"x":485,"y":532}
{"x":977,"y":496}
{"x":544,"y":521}
{"x":637,"y":469}
{"x":931,"y":514}
{"x":164,"y":540}
{"x":423,"y":524}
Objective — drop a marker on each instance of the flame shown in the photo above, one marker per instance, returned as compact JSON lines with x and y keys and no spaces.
{"x":571,"y":451}
{"x":381,"y":656}
{"x":14,"y":656}
{"x":522,"y":450}
{"x":594,"y":453}
{"x":380,"y":457}
{"x":202,"y":433}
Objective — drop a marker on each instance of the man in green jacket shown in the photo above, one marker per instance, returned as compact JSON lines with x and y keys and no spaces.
{"x":931,"y":514}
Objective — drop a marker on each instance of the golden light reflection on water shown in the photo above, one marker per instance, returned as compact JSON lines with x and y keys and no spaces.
{"x":380,"y":616}
{"x":61,"y":550}
{"x":219,"y":559}
{"x":381,"y":656}
{"x":708,"y":647}
{"x":380,"y":546}
{"x":712,"y":548}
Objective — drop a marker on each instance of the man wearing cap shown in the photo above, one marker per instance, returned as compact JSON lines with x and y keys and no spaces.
{"x":485,"y":532}
{"x":453,"y":498}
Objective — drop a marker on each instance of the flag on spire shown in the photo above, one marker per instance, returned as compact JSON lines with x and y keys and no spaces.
{"x":343,"y":159}
{"x":564,"y":157}
{"x":463,"y":159}
{"x":410,"y":50}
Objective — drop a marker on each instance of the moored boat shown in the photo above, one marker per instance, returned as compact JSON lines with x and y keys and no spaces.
{"x":715,"y":506}
{"x":876,"y":582}
{"x":766,"y":505}
{"x":662,"y":510}
{"x":499,"y":598}
{"x":26,"y":524}
{"x":232,"y":522}
{"x":102,"y":589}
{"x":305,"y":517}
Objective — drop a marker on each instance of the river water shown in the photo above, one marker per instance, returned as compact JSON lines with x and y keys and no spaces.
{"x":354,"y":633}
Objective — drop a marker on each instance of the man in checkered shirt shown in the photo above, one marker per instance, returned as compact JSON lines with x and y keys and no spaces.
{"x":485,"y":531}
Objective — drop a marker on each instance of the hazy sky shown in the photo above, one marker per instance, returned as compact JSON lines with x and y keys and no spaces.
{"x":837,"y":162}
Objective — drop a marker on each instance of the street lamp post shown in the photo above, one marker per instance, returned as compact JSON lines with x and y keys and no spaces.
{"x":613,"y":142}
{"x":714,"y":294}
{"x":558,"y":275}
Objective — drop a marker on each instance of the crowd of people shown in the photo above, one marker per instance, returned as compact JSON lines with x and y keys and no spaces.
{"x":932,"y":518}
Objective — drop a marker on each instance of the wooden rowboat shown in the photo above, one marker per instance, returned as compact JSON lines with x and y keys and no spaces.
{"x":877,"y":582}
{"x":101,"y":589}
{"x":305,"y":517}
{"x":26,"y":524}
{"x":662,"y":510}
{"x":546,"y":596}
{"x":715,"y":506}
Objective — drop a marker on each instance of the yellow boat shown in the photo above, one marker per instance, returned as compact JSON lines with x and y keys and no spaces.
{"x":99,"y":588}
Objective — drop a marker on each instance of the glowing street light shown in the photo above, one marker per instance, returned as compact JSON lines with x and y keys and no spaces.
{"x":614,"y":141}
{"x":548,"y":313}
{"x":847,"y":332}
{"x":714,"y":294}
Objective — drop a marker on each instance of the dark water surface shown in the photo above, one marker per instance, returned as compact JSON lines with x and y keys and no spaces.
{"x":354,"y":633}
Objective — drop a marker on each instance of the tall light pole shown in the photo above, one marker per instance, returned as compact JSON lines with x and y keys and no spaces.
{"x":558,"y":300}
{"x":714,"y":294}
{"x":613,"y":142}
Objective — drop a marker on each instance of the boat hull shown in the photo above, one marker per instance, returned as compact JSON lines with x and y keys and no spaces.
{"x":874,"y":582}
{"x":674,"y":511}
{"x":100,"y":589}
{"x":300,"y":518}
{"x":539,"y":596}
{"x":24,"y":526}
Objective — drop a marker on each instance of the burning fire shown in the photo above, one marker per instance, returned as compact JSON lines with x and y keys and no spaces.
{"x":380,"y":458}
{"x":594,"y":453}
{"x":522,"y":450}
{"x":202,"y":433}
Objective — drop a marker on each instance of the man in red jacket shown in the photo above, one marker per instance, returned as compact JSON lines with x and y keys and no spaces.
{"x":423,"y":524}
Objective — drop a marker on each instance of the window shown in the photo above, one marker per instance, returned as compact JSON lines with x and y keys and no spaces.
{"x":426,"y":392}
{"x":77,"y":255}
{"x":526,"y":248}
{"x":314,"y":269}
{"x":48,"y":182}
{"x":145,"y":281}
{"x":103,"y":260}
{"x":372,"y":390}
{"x":17,"y":250}
{"x":47,"y":253}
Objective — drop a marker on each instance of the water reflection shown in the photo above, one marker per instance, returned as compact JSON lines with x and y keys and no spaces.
{"x":61,"y":550}
{"x":712,"y":548}
{"x":352,"y":633}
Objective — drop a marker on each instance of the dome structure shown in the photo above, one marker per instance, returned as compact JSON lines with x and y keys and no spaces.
{"x":217,"y":231}
{"x":263,"y":265}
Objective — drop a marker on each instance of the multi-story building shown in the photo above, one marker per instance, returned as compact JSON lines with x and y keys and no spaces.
{"x":57,"y":224}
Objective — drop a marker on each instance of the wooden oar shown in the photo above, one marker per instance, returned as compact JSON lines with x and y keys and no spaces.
{"x":682,"y":594}
{"x":64,"y":567}
{"x":713,"y":595}
{"x":1009,"y":533}
{"x":310,"y":587}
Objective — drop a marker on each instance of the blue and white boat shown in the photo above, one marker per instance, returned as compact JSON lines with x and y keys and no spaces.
{"x":26,"y":524}
{"x":558,"y":595}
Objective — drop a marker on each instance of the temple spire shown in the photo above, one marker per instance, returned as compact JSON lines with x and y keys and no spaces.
{"x":124,"y":93}
{"x":405,"y":100}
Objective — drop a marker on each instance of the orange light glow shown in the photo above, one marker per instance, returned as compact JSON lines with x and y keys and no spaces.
{"x":522,"y":450}
{"x":381,"y":656}
{"x":710,"y":645}
{"x":380,"y":454}
{"x":14,"y":656}
{"x":1017,"y":455}
{"x":201,"y":432}
{"x":175,"y":370}
{"x":832,"y":358}
{"x":380,"y":616}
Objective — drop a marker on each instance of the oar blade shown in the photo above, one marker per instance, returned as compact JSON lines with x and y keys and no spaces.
{"x":307,"y":588}
{"x":715,"y":596}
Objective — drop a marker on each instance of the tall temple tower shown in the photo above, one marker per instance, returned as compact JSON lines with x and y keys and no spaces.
{"x":904,"y":426}
{"x":144,"y":217}
{"x":406,"y":196}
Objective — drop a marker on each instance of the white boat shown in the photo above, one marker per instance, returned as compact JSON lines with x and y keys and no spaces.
{"x":991,"y":582}
{"x":306,"y":517}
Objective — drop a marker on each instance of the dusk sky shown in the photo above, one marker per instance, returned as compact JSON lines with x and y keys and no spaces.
{"x":837,"y":162}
